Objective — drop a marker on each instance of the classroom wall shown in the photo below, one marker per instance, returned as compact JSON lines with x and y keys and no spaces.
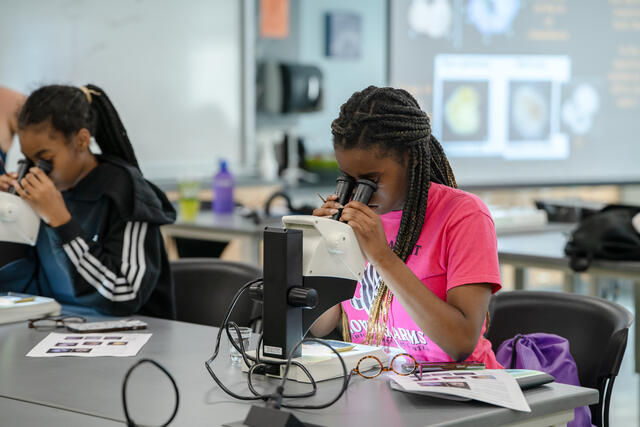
{"x":342,"y":77}
{"x":306,"y":44}
{"x":278,"y":49}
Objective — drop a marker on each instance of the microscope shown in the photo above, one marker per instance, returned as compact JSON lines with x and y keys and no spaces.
{"x":310,"y":265}
{"x":19,"y":224}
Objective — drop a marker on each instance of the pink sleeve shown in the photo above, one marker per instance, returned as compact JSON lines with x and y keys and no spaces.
{"x":472,"y":251}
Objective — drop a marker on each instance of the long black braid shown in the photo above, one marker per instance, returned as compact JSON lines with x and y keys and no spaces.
{"x":391,"y":120}
{"x":71,"y":108}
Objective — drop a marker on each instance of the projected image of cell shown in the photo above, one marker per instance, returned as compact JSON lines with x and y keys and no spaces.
{"x":579,"y":110}
{"x":492,"y":17}
{"x":529,"y":109}
{"x":465,"y":106}
{"x":430,"y":17}
{"x":462,"y":111}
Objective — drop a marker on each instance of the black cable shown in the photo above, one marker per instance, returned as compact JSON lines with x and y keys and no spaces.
{"x":345,"y":376}
{"x":245,"y":357}
{"x":258,"y":364}
{"x":207,"y":364}
{"x":130,"y":422}
{"x":279,"y":394}
{"x":274,"y":399}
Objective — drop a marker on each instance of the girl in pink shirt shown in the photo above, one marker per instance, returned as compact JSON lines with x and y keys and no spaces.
{"x":431,"y":248}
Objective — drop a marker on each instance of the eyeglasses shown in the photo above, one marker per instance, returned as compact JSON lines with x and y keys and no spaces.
{"x":404,"y":364}
{"x":370,"y":366}
{"x":47,"y":323}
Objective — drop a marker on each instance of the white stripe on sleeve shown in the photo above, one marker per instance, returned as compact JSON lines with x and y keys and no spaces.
{"x":112,"y":286}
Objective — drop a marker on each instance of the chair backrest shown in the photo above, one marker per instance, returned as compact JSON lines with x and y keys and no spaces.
{"x":204,"y":288}
{"x":596,"y":329}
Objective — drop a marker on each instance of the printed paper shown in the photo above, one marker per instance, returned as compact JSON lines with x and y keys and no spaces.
{"x":114,"y":344}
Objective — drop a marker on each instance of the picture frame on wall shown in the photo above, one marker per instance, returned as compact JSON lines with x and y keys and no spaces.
{"x":343,"y":32}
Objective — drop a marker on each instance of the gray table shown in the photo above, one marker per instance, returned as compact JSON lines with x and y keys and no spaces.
{"x":545,"y":249}
{"x":92,"y":386}
{"x":18,"y":413}
{"x":208,"y":226}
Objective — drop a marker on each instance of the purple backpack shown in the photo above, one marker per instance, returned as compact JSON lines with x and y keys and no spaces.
{"x":547,"y":353}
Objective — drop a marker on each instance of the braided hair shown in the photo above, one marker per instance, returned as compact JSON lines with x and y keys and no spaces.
{"x":391,"y":120}
{"x":71,"y":108}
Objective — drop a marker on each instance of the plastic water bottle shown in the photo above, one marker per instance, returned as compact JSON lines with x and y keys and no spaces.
{"x":223,"y":190}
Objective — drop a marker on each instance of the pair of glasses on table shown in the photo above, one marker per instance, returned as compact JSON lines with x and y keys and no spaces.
{"x":48,"y":323}
{"x":404,"y":364}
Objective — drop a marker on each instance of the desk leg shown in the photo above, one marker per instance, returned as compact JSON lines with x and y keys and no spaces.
{"x":251,"y":251}
{"x":592,"y":282}
{"x":171,"y":247}
{"x":519,"y":276}
{"x":569,"y":284}
{"x":636,"y":317}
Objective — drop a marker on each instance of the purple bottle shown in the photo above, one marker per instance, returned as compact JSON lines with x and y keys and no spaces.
{"x":223,"y":190}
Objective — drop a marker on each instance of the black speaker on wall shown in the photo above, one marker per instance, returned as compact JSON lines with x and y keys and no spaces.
{"x":289,"y":88}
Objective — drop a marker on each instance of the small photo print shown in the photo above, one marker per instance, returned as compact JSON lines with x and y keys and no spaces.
{"x":117,"y":343}
{"x":464,"y":373}
{"x":81,"y":350}
{"x":92,"y":343}
{"x":112,"y":338}
{"x":432,"y":384}
{"x":73,"y":338}
{"x":60,"y":350}
{"x":93,"y":338}
{"x":484,"y":377}
{"x":450,"y":378}
{"x":458,"y":384}
{"x":432,"y":377}
{"x":66,"y":344}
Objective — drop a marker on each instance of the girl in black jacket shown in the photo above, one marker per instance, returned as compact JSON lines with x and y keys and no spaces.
{"x":100,"y":243}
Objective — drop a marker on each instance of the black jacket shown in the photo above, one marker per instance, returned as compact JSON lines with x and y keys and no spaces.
{"x":111,"y":255}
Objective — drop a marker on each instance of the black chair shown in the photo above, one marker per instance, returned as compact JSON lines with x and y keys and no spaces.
{"x":204,"y":288}
{"x":596,"y":329}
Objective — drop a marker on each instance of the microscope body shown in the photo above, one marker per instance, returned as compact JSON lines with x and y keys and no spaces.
{"x":310,"y":265}
{"x":18,"y":221}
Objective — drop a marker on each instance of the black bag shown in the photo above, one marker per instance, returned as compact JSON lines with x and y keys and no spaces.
{"x":607,"y":234}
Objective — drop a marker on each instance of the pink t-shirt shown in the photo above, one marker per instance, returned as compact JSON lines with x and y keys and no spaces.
{"x":457,"y":246}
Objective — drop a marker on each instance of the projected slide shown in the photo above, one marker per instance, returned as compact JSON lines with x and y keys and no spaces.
{"x":525,"y":90}
{"x":500,"y":105}
{"x":492,"y":16}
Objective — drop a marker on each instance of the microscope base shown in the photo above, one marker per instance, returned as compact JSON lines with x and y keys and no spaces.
{"x":260,"y":416}
{"x":323,"y":364}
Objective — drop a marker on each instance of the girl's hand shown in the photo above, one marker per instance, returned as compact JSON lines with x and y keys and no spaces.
{"x":5,"y":181}
{"x":329,"y":207}
{"x":40,"y":192}
{"x":369,"y":231}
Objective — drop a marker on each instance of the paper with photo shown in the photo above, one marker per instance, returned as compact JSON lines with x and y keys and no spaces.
{"x":113,"y":344}
{"x":494,"y":386}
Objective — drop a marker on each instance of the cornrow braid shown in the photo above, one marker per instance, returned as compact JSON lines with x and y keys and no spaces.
{"x":70,"y":109}
{"x":110,"y":133}
{"x":391,"y":120}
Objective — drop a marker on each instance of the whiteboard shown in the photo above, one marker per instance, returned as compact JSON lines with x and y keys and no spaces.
{"x":172,"y":69}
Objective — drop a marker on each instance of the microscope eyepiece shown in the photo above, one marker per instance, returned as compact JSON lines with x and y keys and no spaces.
{"x":364,"y":189}
{"x":23,"y":168}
